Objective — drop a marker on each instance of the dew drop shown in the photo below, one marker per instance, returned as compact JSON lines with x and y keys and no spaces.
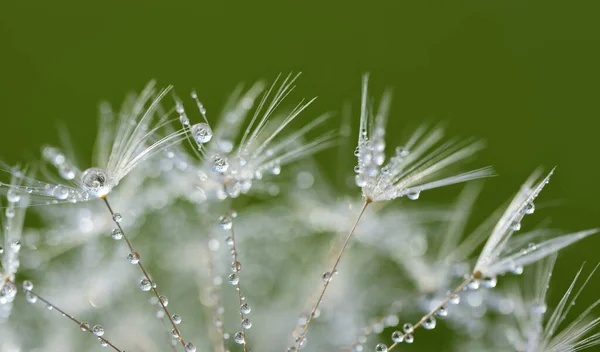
{"x":202,"y":133}
{"x":189,"y":347}
{"x":381,"y":347}
{"x":176,"y":319}
{"x":515,"y":226}
{"x":133,"y":257}
{"x":529,"y":208}
{"x":442,"y":312}
{"x":397,"y":337}
{"x":164,"y":300}
{"x":98,"y":330}
{"x":409,"y":338}
{"x":117,"y":217}
{"x":145,"y":285}
{"x":245,"y":308}
{"x":326,"y":277}
{"x":246,"y":323}
{"x":234,"y":279}
{"x":454,"y":299}
{"x":10,"y":213}
{"x":95,"y":182}
{"x":30,"y":297}
{"x":236,"y":266}
{"x":239,"y":338}
{"x":13,"y":196}
{"x":413,"y":195}
{"x":489,"y":282}
{"x":429,"y":323}
{"x":103,"y":343}
{"x":219,"y":163}
{"x":226,"y":222}
{"x":407,"y":328}
{"x":27,"y":285}
{"x":116,"y":234}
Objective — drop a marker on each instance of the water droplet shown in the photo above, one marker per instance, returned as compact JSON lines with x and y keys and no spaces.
{"x":397,"y":337}
{"x":489,"y":282}
{"x":413,"y":195}
{"x":145,"y":285}
{"x":13,"y":196}
{"x":95,"y":181}
{"x":517,"y":270}
{"x":246,"y":323}
{"x":116,"y":234}
{"x":429,"y":323}
{"x":189,"y":347}
{"x":402,"y":152}
{"x":15,"y":246}
{"x":133,"y":257}
{"x":473,"y":285}
{"x":117,"y":217}
{"x":407,"y":328}
{"x":176,"y":319}
{"x":103,"y":342}
{"x":326,"y":277}
{"x":381,"y":347}
{"x":30,"y":297}
{"x":164,"y":300}
{"x":10,"y":212}
{"x":234,"y":279}
{"x":239,"y":338}
{"x":27,"y":285}
{"x":515,"y":226}
{"x":67,"y":171}
{"x":174,"y":333}
{"x":454,"y":299}
{"x":98,"y":330}
{"x":529,"y":208}
{"x":236,"y":266}
{"x":245,"y":308}
{"x":442,"y":312}
{"x":409,"y":338}
{"x":202,"y":133}
{"x":226,"y":222}
{"x":219,"y":163}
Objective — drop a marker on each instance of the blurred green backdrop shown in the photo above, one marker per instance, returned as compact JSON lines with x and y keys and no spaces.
{"x":523,"y":75}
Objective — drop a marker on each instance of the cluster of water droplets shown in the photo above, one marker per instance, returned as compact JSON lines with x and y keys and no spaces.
{"x":376,"y":327}
{"x":226,"y":223}
{"x":377,"y":181}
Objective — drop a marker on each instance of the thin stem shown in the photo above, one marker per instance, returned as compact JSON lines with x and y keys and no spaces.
{"x":139,"y":264}
{"x":331,"y":273}
{"x":434,"y":310}
{"x":214,"y":294}
{"x":236,"y":271}
{"x":73,"y":319}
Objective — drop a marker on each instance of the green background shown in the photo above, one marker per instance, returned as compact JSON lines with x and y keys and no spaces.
{"x":523,"y":75}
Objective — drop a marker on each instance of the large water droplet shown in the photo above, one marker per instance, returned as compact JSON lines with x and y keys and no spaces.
{"x":202,"y":133}
{"x":95,"y":181}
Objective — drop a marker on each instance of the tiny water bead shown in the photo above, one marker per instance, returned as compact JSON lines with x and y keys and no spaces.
{"x":15,"y":246}
{"x":202,"y":133}
{"x":429,"y":323}
{"x":145,"y":285}
{"x":176,"y":319}
{"x":239,"y":337}
{"x":164,"y":300}
{"x":95,"y":181}
{"x":442,"y":312}
{"x":10,"y":213}
{"x":189,"y":347}
{"x":174,"y":333}
{"x":245,"y":308}
{"x":13,"y":196}
{"x":116,"y":234}
{"x":234,"y":279}
{"x":246,"y":323}
{"x":515,"y":226}
{"x":407,"y":328}
{"x":397,"y":337}
{"x":98,"y":330}
{"x":236,"y":266}
{"x":103,"y":342}
{"x":413,"y":195}
{"x":30,"y":297}
{"x":117,"y":217}
{"x":409,"y":338}
{"x":27,"y":285}
{"x":219,"y":163}
{"x":226,"y":222}
{"x":326,"y":277}
{"x":529,"y":208}
{"x":454,"y":299}
{"x":489,"y":282}
{"x":381,"y":347}
{"x":133,"y":257}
